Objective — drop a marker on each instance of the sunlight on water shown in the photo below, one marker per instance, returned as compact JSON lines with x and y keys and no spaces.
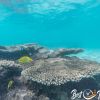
{"x":90,"y":54}
{"x":48,"y":6}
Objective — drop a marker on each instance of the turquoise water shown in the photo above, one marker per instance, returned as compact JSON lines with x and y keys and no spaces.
{"x":52,"y":23}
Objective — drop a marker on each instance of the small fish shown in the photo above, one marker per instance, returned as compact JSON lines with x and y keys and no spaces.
{"x":10,"y":84}
{"x":25,"y":59}
{"x":30,"y":54}
{"x":21,"y":48}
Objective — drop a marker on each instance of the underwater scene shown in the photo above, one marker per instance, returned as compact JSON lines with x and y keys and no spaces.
{"x":49,"y":49}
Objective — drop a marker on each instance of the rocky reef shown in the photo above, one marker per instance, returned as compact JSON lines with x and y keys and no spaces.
{"x":35,"y":51}
{"x":50,"y":75}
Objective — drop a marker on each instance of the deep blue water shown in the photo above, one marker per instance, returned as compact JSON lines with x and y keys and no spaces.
{"x":52,"y":23}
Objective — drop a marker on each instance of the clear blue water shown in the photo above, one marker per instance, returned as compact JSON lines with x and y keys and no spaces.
{"x":52,"y":23}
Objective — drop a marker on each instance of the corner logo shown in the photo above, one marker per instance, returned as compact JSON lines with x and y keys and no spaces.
{"x":86,"y":94}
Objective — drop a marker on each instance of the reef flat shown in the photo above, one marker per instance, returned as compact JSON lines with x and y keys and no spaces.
{"x":34,"y":72}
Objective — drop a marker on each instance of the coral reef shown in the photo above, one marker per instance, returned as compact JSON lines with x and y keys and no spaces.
{"x":8,"y":70}
{"x":19,"y":94}
{"x":15,"y":52}
{"x":52,"y":74}
{"x":35,"y":51}
{"x":7,"y":63}
{"x":63,"y":51}
{"x":57,"y":71}
{"x":24,"y":94}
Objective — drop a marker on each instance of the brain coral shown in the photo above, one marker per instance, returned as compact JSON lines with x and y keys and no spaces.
{"x":57,"y":71}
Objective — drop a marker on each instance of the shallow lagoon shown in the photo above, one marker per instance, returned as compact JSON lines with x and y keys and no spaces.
{"x":52,"y":24}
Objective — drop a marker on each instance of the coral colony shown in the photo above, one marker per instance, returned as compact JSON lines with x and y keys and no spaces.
{"x":57,"y":71}
{"x":44,"y":73}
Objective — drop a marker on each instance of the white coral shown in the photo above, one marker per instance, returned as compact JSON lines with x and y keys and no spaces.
{"x":49,"y":72}
{"x":7,"y":63}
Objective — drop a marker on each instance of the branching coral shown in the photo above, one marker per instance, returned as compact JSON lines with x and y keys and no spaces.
{"x":57,"y":71}
{"x":7,"y":63}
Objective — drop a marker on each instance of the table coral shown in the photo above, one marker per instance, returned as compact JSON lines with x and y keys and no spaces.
{"x":57,"y":71}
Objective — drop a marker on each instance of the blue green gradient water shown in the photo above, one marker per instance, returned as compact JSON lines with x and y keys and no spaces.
{"x":51,"y":23}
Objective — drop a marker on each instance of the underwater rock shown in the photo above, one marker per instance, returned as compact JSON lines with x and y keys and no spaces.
{"x":58,"y":71}
{"x":19,"y":94}
{"x":35,"y":51}
{"x":15,"y":52}
{"x":45,"y":53}
{"x":23,"y":94}
{"x":8,"y":69}
{"x":65,"y":51}
{"x":7,"y":66}
{"x":42,"y":97}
